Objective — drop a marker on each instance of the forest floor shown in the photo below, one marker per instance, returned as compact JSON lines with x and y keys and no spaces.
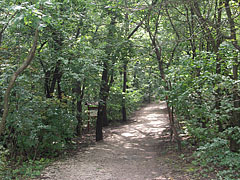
{"x":137,"y":150}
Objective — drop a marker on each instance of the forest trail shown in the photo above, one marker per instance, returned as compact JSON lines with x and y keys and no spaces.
{"x":128,"y":152}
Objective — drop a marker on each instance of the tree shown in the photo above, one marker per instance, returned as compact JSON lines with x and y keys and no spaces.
{"x":13,"y":79}
{"x":153,"y":34}
{"x":107,"y":80}
{"x":235,"y":122}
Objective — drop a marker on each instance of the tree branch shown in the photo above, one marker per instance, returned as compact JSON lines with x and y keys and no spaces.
{"x":136,"y":28}
{"x":13,"y":79}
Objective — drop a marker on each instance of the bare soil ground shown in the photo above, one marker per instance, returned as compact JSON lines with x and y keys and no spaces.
{"x":133,"y":151}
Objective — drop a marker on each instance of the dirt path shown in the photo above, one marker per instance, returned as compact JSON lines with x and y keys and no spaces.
{"x":129,"y":152}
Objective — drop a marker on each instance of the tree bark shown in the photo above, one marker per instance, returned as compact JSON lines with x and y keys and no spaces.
{"x":102,"y":115}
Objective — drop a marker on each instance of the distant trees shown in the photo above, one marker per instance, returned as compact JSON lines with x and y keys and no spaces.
{"x":196,"y":47}
{"x":78,"y":59}
{"x":118,"y":53}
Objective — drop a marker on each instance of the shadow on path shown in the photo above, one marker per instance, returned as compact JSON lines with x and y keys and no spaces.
{"x":129,"y":152}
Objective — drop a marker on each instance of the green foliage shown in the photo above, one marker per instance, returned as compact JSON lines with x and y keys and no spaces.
{"x":40,"y":128}
{"x":133,"y":98}
{"x":24,"y":170}
{"x":3,"y":159}
{"x":78,"y":39}
{"x":215,"y":156}
{"x":193,"y":96}
{"x":114,"y":103}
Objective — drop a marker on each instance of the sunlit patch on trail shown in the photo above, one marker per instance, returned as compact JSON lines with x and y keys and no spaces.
{"x":150,"y":108}
{"x":156,"y":123}
{"x":127,"y":145}
{"x":161,"y":178}
{"x":149,"y":157}
{"x":154,"y":116}
{"x":139,"y":126}
{"x":129,"y":151}
{"x":128,"y":134}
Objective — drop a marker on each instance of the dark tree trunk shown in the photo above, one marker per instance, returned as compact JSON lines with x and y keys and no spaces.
{"x":234,"y":145}
{"x":104,"y":112}
{"x":106,"y":83}
{"x":49,"y":85}
{"x":79,"y":90}
{"x":56,"y":78}
{"x":79,"y":118}
{"x":191,"y":27}
{"x":124,"y":113}
{"x":59,"y":90}
{"x":218,"y":65}
{"x":99,"y":124}
{"x":149,"y":87}
{"x":102,"y":115}
{"x":46,"y":84}
{"x":218,"y":94}
{"x":53,"y":78}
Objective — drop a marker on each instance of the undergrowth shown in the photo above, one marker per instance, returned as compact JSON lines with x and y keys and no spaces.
{"x":215,"y":157}
{"x":20,"y":170}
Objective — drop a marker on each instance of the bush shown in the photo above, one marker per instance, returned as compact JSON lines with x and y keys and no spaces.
{"x":39,"y":128}
{"x":216,"y":157}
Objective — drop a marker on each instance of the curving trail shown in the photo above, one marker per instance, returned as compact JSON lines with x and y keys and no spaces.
{"x":129,"y":152}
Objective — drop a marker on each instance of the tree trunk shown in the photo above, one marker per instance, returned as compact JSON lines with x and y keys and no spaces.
{"x":55,"y":78}
{"x":149,"y":86}
{"x":218,"y":94}
{"x":104,"y":95}
{"x":79,"y":90}
{"x":59,"y":90}
{"x":104,"y":112}
{"x":234,"y":145}
{"x":46,"y":84}
{"x":102,"y":115}
{"x":124,"y":113}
